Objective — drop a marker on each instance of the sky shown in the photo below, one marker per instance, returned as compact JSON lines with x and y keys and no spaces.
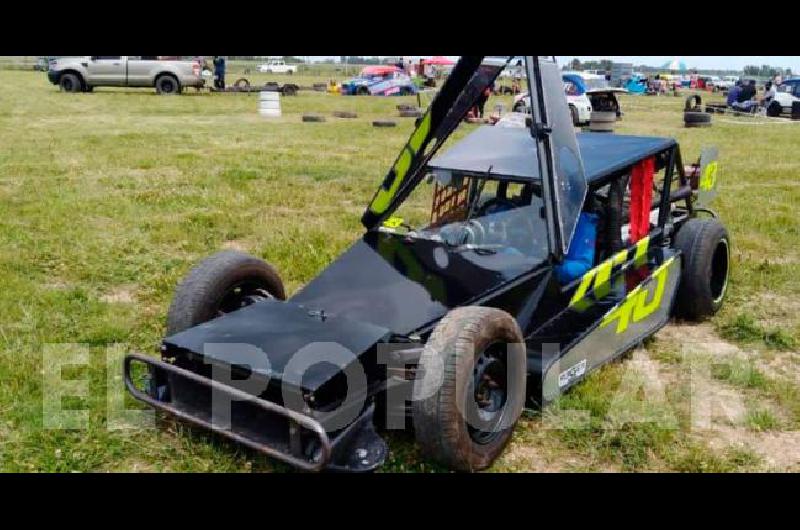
{"x":710,"y":62}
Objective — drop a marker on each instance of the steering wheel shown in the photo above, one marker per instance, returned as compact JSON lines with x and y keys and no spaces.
{"x":467,"y":233}
{"x":495,"y":205}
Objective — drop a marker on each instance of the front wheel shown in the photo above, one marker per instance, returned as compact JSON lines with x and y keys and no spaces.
{"x":70,"y":83}
{"x":471,"y":387}
{"x":221,"y":283}
{"x":706,"y":250}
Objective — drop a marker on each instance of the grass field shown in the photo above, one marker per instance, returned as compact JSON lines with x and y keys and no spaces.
{"x":108,"y":199}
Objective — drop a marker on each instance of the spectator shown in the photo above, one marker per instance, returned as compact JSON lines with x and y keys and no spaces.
{"x":219,"y":72}
{"x":733,"y":93}
{"x":481,"y":103}
{"x":769,"y":92}
{"x":746,"y":98}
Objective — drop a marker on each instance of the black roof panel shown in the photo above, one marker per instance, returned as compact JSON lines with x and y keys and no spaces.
{"x":510,"y":153}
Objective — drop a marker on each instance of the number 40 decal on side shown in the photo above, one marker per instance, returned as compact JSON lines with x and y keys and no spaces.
{"x":636,"y":306}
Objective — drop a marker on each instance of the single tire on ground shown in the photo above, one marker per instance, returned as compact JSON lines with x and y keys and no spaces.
{"x":289,"y":89}
{"x":705,"y":246}
{"x":344,"y":114}
{"x":70,"y":83}
{"x":410,"y":113}
{"x":242,"y":82}
{"x":383,"y":123}
{"x":219,"y":284}
{"x":313,"y":118}
{"x":696,"y":119}
{"x":471,"y":387}
{"x":404,"y":106}
{"x":168,"y":85}
{"x":600,"y":121}
{"x":320,"y":87}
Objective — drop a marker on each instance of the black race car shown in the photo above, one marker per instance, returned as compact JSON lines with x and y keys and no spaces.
{"x":489,"y":278}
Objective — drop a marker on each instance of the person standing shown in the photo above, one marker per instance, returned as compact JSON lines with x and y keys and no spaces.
{"x":219,"y":72}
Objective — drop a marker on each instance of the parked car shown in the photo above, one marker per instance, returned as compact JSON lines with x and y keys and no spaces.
{"x":379,"y":81}
{"x":82,"y":74}
{"x":788,"y":93}
{"x":277,"y":66}
{"x":585,"y":93}
{"x":726,"y":82}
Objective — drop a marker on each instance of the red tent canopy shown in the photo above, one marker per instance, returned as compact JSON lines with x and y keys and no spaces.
{"x":379,"y":70}
{"x":440,"y":60}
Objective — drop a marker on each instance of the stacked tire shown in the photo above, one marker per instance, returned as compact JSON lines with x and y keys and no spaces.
{"x":600,"y":121}
{"x":693,"y":115}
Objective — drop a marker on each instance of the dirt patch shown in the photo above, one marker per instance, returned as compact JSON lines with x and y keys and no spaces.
{"x":124,"y":294}
{"x":236,"y":244}
{"x":719,"y":411}
{"x":697,"y":338}
{"x":773,"y":310}
{"x":536,"y":451}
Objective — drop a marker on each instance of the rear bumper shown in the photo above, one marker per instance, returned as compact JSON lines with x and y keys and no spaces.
{"x":276,"y":431}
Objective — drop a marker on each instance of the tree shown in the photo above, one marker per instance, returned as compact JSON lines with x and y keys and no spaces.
{"x":751,"y":70}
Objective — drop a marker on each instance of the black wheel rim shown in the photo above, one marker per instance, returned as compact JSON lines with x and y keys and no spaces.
{"x":242,"y":294}
{"x":489,"y":392}
{"x":719,"y":271}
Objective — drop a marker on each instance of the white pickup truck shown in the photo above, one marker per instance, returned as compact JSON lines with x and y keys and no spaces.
{"x":82,"y":74}
{"x":277,"y":66}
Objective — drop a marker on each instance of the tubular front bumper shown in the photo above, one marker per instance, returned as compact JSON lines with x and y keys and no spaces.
{"x":269,"y":428}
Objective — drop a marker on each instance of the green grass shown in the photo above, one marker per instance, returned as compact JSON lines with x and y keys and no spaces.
{"x":109,"y":198}
{"x":762,"y":420}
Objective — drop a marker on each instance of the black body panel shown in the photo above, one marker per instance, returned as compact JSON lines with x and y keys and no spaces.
{"x":279,"y":330}
{"x":404,"y":284}
{"x":511,"y":153}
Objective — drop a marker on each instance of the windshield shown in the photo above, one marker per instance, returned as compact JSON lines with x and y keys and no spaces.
{"x":466,"y":213}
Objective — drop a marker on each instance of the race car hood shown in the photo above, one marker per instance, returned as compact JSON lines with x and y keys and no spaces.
{"x":358,"y":81}
{"x":403,"y":284}
{"x":272,"y":336}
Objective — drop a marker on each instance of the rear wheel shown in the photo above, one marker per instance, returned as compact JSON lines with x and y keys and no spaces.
{"x":576,"y":120}
{"x":471,"y":389}
{"x":167,"y":85}
{"x":362,"y":91}
{"x":219,"y":284}
{"x":705,"y":246}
